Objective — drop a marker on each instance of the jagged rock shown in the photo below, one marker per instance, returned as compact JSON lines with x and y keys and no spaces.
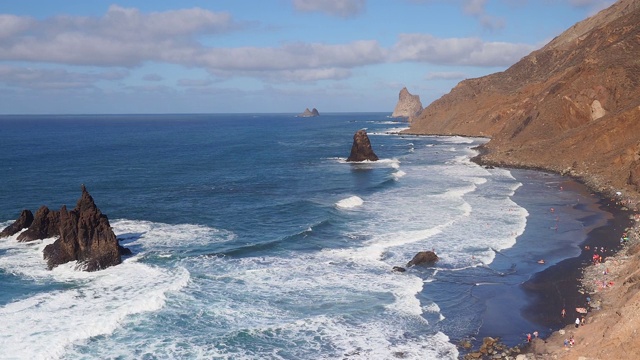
{"x":24,"y":221}
{"x":308,"y":113}
{"x":85,"y":236}
{"x":399,"y":269}
{"x":361,"y":148}
{"x":423,"y":257}
{"x":45,"y":225}
{"x":408,"y":105}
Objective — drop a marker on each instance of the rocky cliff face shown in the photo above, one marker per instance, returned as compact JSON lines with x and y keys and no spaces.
{"x":408,"y":105}
{"x":571,"y":107}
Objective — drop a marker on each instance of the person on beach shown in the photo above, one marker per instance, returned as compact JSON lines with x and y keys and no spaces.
{"x":577,"y":322}
{"x":563,"y":313}
{"x":528,"y":338}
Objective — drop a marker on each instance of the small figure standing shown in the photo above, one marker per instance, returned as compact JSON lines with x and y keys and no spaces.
{"x":577,"y":322}
{"x":563,"y":313}
{"x":528,"y":338}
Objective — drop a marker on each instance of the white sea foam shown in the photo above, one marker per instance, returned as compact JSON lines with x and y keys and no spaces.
{"x":350,"y":202}
{"x":82,"y":304}
{"x":398,"y":174}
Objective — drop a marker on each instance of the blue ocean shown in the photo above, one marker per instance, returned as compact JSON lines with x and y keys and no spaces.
{"x":253,"y":238}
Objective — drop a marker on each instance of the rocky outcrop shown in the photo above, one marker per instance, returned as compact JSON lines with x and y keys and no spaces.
{"x":46,"y":224}
{"x":408,"y":105}
{"x":307,"y":113}
{"x":85,"y":236}
{"x":23,"y":222}
{"x":571,"y":107}
{"x":361,"y":149}
{"x":423,"y":258}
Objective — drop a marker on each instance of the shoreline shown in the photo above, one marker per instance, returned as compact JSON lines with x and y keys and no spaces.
{"x":568,"y":285}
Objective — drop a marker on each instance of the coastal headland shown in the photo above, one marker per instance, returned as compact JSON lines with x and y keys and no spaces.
{"x":571,"y":108}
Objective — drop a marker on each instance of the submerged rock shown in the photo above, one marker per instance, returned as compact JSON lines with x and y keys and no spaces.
{"x":23,"y":222}
{"x":85,"y":236}
{"x":361,"y":148}
{"x":423,"y":258}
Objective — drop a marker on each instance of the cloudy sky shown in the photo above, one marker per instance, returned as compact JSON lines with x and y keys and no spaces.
{"x":79,"y":56}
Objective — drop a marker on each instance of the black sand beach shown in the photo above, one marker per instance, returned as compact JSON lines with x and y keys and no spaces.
{"x":564,"y":217}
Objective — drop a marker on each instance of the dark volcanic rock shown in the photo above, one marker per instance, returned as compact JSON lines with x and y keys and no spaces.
{"x":24,"y":221}
{"x":361,"y":148}
{"x":85,"y":236}
{"x":424,"y":257}
{"x":45,"y":225}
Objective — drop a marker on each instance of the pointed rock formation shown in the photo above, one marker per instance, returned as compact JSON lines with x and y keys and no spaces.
{"x":361,"y":148}
{"x":46,"y":224}
{"x":408,"y":105}
{"x":23,"y":222}
{"x":85,"y":236}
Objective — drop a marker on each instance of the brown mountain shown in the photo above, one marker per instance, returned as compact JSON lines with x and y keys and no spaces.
{"x":571,"y":107}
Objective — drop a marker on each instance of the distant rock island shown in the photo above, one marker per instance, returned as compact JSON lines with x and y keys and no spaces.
{"x":307,"y":113}
{"x":361,"y":149}
{"x":408,"y":105}
{"x":84,"y":235}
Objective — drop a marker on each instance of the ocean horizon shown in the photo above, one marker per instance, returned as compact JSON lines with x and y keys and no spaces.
{"x":253,"y":238}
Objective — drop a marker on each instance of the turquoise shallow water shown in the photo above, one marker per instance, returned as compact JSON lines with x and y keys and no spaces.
{"x":254,"y":239}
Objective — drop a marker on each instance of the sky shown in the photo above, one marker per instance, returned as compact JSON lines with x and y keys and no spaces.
{"x":260,"y":56}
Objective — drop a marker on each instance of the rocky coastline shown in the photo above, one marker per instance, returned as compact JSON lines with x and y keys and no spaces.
{"x":569,"y":108}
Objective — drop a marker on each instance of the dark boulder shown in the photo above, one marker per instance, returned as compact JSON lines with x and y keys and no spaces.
{"x":399,"y":269}
{"x":85,"y":236}
{"x":423,"y":258}
{"x":23,"y":222}
{"x":361,"y":148}
{"x":46,"y":224}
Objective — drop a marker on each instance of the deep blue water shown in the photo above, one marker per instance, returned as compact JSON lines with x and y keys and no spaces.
{"x":254,"y":239}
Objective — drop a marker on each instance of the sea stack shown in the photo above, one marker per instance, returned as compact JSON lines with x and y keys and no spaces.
{"x":85,"y":236}
{"x":408,"y":105}
{"x":307,"y":113}
{"x":361,"y":148}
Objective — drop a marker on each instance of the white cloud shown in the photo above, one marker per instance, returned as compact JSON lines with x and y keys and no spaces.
{"x":292,"y":56}
{"x":457,"y":51}
{"x":195,"y":82}
{"x":35,"y":78}
{"x":446,"y":75}
{"x":152,"y":77}
{"x":122,"y":37}
{"x":341,"y":8}
{"x":125,"y":38}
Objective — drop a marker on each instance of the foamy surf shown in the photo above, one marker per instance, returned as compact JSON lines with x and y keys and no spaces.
{"x":350,"y":203}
